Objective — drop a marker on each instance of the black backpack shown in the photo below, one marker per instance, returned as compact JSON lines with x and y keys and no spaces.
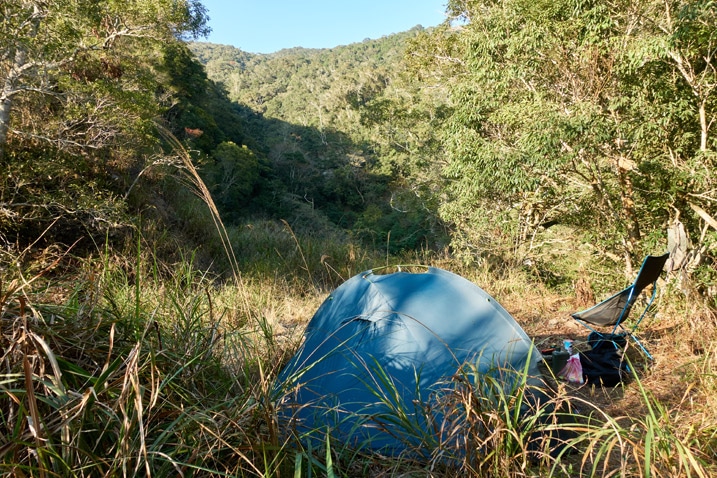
{"x":603,"y":364}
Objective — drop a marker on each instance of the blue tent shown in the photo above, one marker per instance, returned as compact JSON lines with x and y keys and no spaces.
{"x":382,"y":346}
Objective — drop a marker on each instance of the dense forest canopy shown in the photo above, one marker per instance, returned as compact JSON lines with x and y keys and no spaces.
{"x":308,"y":108}
{"x":499,"y":135}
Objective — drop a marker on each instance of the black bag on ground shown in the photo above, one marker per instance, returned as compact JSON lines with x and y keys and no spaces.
{"x":603,"y":364}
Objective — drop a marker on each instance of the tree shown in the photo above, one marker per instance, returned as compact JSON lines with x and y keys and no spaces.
{"x":690,"y":29}
{"x":78,"y":101}
{"x":81,"y":61}
{"x":596,"y":115}
{"x":673,"y":65}
{"x":511,"y":112}
{"x":233,"y":176}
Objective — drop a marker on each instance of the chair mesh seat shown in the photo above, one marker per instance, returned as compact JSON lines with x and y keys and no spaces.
{"x":613,"y":311}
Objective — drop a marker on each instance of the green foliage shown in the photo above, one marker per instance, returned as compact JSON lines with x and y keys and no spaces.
{"x":516,"y":131}
{"x":232,"y":177}
{"x":79,"y":98}
{"x":62,"y":201}
{"x":506,"y":120}
{"x":200,"y":111}
{"x":585,"y":114}
{"x":332,"y":147}
{"x":509,"y":118}
{"x":75,"y":53}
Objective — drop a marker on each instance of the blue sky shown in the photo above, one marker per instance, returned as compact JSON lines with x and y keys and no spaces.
{"x":266,"y":26}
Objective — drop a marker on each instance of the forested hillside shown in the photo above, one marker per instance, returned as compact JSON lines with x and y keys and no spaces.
{"x":307,"y":108}
{"x":515,"y":132}
{"x":173,"y":212}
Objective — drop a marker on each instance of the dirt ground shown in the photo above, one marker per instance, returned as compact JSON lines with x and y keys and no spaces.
{"x":664,"y":376}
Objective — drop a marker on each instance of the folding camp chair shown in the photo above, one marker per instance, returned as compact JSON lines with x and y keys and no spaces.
{"x":613,"y":311}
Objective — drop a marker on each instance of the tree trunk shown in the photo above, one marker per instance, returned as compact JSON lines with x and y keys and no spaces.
{"x":5,"y":106}
{"x":8,"y":90}
{"x":703,"y":125}
{"x":9,"y":87}
{"x":628,"y":204}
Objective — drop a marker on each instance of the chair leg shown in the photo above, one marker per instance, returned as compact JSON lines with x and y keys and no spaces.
{"x":642,"y":347}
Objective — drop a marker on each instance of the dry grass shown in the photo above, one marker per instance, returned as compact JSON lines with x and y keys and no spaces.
{"x":671,"y":400}
{"x":99,"y":379}
{"x":130,"y":366}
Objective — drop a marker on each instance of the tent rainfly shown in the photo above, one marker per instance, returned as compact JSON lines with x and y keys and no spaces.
{"x":382,"y":346}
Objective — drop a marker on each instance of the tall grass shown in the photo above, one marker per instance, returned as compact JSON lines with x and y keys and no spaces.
{"x":173,"y":380}
{"x":178,"y":381}
{"x":654,"y":444}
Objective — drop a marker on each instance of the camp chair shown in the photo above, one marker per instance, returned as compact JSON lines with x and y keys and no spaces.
{"x":613,"y":311}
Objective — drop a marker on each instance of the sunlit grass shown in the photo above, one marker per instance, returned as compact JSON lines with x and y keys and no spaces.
{"x":174,"y":375}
